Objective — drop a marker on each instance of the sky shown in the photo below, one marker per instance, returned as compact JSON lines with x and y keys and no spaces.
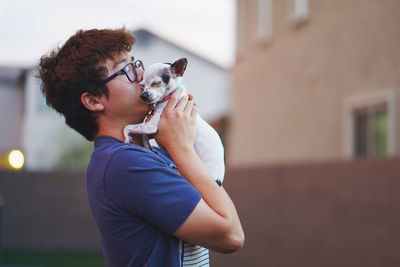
{"x":29,"y":29}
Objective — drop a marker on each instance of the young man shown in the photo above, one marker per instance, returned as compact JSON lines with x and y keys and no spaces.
{"x":141,"y":204}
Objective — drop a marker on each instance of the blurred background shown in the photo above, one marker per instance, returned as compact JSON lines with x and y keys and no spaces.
{"x":304,"y":93}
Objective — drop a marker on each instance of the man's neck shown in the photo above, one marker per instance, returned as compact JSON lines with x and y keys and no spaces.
{"x":115,"y":129}
{"x":137,"y":138}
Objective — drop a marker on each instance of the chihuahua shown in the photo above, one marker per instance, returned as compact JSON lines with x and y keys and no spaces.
{"x":159,"y":82}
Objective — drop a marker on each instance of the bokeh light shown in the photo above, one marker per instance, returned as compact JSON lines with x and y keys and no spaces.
{"x":16,"y":159}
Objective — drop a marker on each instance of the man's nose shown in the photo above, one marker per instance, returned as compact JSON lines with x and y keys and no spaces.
{"x":139,"y":75}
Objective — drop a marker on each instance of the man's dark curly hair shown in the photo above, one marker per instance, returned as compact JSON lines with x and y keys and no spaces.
{"x":73,"y":69}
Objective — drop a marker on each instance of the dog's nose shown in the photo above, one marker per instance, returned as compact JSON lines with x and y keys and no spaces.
{"x":145,"y":96}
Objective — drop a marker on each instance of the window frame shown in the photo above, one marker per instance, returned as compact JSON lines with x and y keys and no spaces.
{"x":264,"y":21}
{"x":367,"y":101}
{"x":299,"y":12}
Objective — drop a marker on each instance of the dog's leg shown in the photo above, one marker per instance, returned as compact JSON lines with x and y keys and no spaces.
{"x":144,"y":128}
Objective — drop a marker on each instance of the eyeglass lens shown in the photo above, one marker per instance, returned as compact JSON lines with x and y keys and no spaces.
{"x":129,"y":70}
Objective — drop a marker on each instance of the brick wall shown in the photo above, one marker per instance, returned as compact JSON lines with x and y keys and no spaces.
{"x":47,"y":211}
{"x":337,"y":214}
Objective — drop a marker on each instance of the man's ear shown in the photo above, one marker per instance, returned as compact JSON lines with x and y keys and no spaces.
{"x":91,"y":102}
{"x":179,"y":66}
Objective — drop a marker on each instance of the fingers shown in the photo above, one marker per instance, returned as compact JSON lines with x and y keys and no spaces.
{"x":193,"y":114}
{"x":185,"y":105}
{"x":173,"y":100}
{"x":182,"y":103}
{"x":189,"y":106}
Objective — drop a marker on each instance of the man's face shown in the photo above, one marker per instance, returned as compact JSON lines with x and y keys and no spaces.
{"x":124,"y":102}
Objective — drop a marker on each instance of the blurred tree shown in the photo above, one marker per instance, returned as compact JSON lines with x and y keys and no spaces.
{"x":75,"y":152}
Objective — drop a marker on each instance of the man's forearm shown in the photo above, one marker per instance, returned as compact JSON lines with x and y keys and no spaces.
{"x":191,"y":167}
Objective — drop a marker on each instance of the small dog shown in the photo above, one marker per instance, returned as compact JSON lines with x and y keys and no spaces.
{"x":159,"y":82}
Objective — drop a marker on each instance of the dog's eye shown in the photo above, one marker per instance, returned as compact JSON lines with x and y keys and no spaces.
{"x":156,"y":84}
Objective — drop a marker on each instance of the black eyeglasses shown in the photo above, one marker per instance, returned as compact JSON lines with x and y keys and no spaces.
{"x":129,"y":70}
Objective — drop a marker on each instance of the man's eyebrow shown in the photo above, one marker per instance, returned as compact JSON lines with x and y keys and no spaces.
{"x":119,"y":62}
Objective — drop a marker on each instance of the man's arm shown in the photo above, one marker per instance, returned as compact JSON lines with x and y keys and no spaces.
{"x":214,"y":222}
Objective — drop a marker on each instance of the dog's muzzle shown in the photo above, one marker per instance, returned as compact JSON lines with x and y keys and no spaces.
{"x":145,"y":96}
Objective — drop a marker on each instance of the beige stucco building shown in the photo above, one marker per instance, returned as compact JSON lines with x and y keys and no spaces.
{"x":315,"y":80}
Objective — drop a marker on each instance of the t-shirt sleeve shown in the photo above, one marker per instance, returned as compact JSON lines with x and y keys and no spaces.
{"x":145,"y":186}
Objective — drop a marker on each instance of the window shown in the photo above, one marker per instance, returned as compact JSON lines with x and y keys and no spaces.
{"x":370,"y":125}
{"x":298,"y":11}
{"x":370,"y":131}
{"x":264,"y":20}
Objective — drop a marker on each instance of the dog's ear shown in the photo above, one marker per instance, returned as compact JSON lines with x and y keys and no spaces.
{"x":179,"y":66}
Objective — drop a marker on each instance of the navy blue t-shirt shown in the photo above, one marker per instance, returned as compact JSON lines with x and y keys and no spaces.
{"x":138,"y":199}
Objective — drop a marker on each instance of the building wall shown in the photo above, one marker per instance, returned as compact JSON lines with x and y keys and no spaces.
{"x":331,"y":214}
{"x":11,"y":109}
{"x":290,"y":91}
{"x":46,"y":212}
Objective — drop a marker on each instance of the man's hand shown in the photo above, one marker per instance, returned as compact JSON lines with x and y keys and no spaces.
{"x":177,"y":127}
